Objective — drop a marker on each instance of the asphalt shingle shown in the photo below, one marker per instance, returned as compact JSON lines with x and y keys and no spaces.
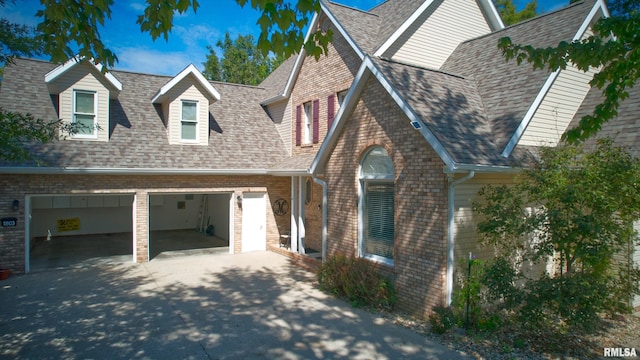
{"x":241,"y":135}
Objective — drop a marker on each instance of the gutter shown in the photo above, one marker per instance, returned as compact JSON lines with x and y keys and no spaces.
{"x":129,"y":171}
{"x":450,"y":236}
{"x":324,"y":215}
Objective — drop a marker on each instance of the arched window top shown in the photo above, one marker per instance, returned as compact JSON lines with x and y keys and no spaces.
{"x":377,"y":164}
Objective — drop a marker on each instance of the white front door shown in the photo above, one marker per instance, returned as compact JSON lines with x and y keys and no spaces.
{"x":254,"y":222}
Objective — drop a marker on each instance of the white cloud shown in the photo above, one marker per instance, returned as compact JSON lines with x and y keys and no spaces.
{"x":197,"y":35}
{"x":137,"y":6}
{"x":153,"y":62}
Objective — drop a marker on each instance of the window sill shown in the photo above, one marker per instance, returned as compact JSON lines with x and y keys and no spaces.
{"x":380,"y":260}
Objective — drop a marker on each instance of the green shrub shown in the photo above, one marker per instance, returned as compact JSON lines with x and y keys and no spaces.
{"x":358,"y":281}
{"x":441,"y":319}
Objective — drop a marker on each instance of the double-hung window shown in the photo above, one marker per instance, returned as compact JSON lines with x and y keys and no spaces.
{"x":84,"y":114}
{"x":308,"y":131}
{"x":376,"y":206}
{"x":189,"y":121}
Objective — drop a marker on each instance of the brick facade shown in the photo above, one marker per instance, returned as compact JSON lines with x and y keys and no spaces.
{"x":420,"y":198}
{"x":12,"y":239}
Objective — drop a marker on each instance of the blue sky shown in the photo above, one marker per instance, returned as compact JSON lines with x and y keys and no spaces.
{"x":191,"y":33}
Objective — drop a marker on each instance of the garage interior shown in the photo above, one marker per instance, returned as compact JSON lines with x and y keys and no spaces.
{"x":77,"y":230}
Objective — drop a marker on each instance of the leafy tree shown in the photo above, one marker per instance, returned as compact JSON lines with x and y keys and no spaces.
{"x":242,"y":62}
{"x":613,"y":50}
{"x":510,"y":15}
{"x":574,"y":207}
{"x":72,"y":22}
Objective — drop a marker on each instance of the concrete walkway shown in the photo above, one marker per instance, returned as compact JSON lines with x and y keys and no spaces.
{"x":249,"y":306}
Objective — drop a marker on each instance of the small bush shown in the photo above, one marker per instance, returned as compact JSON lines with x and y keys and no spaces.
{"x":441,"y":320}
{"x":358,"y":281}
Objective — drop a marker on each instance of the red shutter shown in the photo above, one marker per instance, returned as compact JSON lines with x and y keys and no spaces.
{"x":316,"y":121}
{"x":331,"y":101}
{"x":298,"y":125}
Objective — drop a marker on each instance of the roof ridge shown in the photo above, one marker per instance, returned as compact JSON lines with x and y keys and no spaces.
{"x":366,"y":12}
{"x":555,"y":12}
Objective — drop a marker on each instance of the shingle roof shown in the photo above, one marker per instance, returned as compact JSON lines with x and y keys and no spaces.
{"x":276,"y":81}
{"x":359,"y":24}
{"x":451,"y":107}
{"x":393,"y":13}
{"x":508,"y":89}
{"x":624,"y":130}
{"x":241,"y":134}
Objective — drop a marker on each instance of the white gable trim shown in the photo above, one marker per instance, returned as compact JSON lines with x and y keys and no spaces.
{"x":368,"y":67}
{"x":60,"y":70}
{"x":396,"y":35}
{"x":298,"y":65}
{"x":492,"y":13}
{"x":487,"y":5}
{"x":517,"y":135}
{"x":211,"y":92}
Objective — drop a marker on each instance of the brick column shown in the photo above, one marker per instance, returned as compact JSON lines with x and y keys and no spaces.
{"x":141,"y":226}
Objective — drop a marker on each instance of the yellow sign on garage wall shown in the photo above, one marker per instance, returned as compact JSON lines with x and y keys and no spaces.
{"x":69,"y":224}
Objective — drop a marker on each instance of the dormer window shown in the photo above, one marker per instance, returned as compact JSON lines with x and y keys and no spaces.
{"x":84,"y":113}
{"x":189,"y":121}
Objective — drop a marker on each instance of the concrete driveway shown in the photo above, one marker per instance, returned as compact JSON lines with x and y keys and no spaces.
{"x":249,"y":306}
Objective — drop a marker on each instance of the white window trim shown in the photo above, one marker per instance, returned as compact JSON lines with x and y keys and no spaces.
{"x":307,"y":130}
{"x":94,"y":134}
{"x":340,"y":97}
{"x":197,"y":121}
{"x":362,"y":182}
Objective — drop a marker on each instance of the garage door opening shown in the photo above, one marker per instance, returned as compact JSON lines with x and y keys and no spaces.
{"x":189,"y":224}
{"x":71,"y":230}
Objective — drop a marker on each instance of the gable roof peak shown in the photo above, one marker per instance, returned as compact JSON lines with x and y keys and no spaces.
{"x":190,"y":70}
{"x":54,"y":74}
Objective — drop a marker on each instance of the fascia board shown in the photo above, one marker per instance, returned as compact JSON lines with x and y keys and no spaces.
{"x":517,"y":135}
{"x":342,"y":31}
{"x":191,"y":69}
{"x":129,"y":171}
{"x":492,"y":12}
{"x":396,"y":35}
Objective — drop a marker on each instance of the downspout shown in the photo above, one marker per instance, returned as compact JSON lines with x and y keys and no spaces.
{"x":452,"y":185}
{"x":324,"y":216}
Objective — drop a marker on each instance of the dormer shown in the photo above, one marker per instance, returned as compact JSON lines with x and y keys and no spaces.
{"x":185,"y":101}
{"x":83,"y":92}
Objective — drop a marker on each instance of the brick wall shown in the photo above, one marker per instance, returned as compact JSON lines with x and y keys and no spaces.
{"x":12,"y":242}
{"x":318,"y":80}
{"x":420,"y":199}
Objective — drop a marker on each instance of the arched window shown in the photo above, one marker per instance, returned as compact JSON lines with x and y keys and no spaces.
{"x":376,"y":206}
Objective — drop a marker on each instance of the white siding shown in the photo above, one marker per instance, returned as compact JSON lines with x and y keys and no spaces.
{"x":465,"y":221}
{"x":281,"y":116}
{"x":438,"y":31}
{"x":83,"y":77}
{"x":558,"y":108}
{"x":187,"y":89}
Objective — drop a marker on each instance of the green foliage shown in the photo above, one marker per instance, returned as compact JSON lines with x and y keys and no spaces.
{"x":510,"y":15}
{"x":72,"y":27}
{"x":17,"y":129}
{"x":242,"y":62}
{"x":576,"y":208}
{"x":441,"y":320}
{"x":613,"y":50}
{"x":357,"y":280}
